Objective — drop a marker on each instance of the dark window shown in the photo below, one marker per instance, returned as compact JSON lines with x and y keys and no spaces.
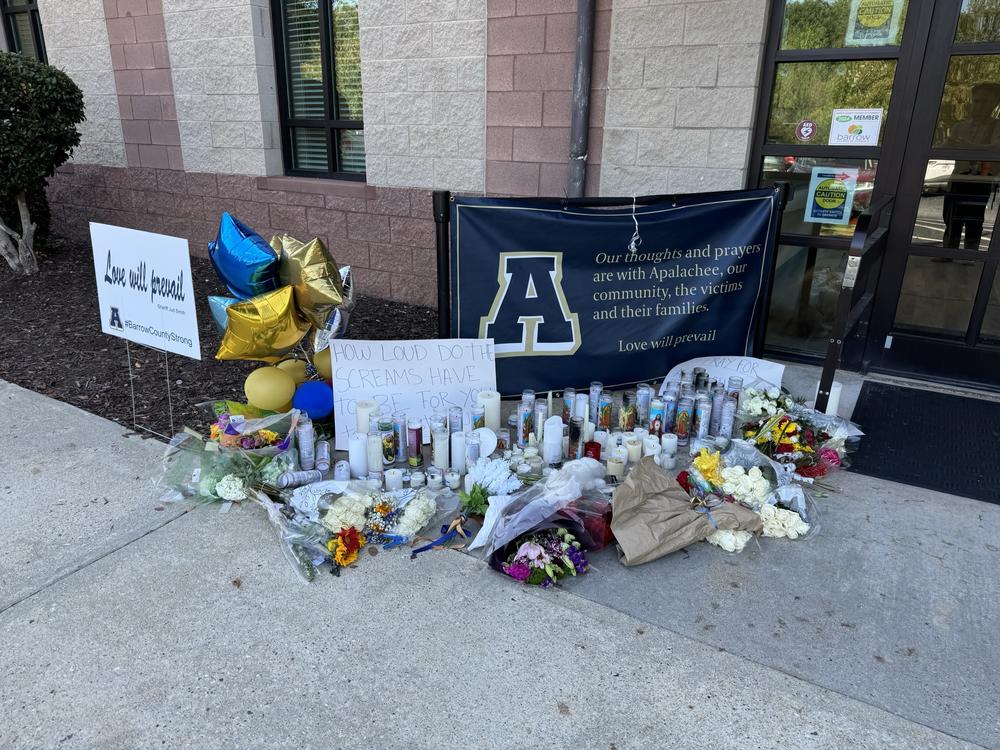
{"x":318,"y":54}
{"x":23,"y":28}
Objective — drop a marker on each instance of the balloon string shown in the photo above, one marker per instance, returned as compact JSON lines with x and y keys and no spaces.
{"x":636,"y":240}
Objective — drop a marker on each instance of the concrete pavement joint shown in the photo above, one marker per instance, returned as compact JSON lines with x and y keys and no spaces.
{"x":87,"y":562}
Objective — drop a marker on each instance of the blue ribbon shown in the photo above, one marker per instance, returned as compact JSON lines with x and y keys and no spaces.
{"x":707,"y":512}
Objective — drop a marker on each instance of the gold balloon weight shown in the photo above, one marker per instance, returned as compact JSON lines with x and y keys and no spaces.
{"x":265,"y":327}
{"x":312,"y":272}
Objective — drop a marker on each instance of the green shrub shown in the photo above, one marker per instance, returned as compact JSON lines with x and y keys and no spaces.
{"x":40,"y":108}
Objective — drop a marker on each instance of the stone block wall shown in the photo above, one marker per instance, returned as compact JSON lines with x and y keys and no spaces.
{"x":423,"y":72}
{"x":682,"y":95}
{"x":529,"y":81}
{"x":76,"y":41}
{"x":466,"y":95}
{"x":222,"y":59}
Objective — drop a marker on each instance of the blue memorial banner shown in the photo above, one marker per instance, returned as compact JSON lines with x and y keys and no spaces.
{"x":572,"y":294}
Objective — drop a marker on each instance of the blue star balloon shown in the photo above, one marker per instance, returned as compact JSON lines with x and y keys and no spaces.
{"x":243,"y":260}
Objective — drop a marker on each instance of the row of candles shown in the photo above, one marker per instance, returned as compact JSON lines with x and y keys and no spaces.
{"x":545,"y":432}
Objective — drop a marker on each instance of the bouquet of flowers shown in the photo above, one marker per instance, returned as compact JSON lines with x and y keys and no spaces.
{"x":796,"y":441}
{"x":763,"y":402}
{"x":225,"y":431}
{"x":488,"y":476}
{"x":542,"y":558}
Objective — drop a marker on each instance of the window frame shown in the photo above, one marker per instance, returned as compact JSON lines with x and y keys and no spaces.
{"x":329,"y":123}
{"x":7,"y":12}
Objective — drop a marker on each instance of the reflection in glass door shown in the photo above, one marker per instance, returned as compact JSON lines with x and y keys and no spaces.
{"x":937,"y":307}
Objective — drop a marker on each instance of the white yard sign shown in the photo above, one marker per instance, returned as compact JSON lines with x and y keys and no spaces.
{"x":415,"y":377}
{"x":144,"y":288}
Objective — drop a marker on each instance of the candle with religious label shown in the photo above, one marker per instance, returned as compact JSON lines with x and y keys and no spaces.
{"x":525,"y":415}
{"x":735,"y":385}
{"x":386,"y":434}
{"x":627,"y":415}
{"x":414,"y":442}
{"x":682,"y":426}
{"x":478,"y":417}
{"x":596,"y":387}
{"x":399,"y":435}
{"x":728,"y":417}
{"x":569,"y":398}
{"x":657,"y":413}
{"x":605,"y":408}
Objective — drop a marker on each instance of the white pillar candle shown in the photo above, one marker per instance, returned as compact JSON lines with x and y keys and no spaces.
{"x":650,"y":445}
{"x":616,"y":468}
{"x":552,"y":442}
{"x":394,"y":479}
{"x":668,"y":441}
{"x":374,"y":450}
{"x":490,"y":401}
{"x":641,"y":432}
{"x":364,"y":409}
{"x":668,"y":463}
{"x":621,"y":453}
{"x":458,"y":452}
{"x":601,"y":438}
{"x":357,"y":455}
{"x":439,"y":443}
{"x":634,"y":448}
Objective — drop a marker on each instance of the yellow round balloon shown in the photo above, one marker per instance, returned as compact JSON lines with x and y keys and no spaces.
{"x":323,"y":365}
{"x":294,"y":367}
{"x":269,"y":388}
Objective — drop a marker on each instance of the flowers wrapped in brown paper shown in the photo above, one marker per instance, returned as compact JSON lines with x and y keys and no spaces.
{"x":653,"y":516}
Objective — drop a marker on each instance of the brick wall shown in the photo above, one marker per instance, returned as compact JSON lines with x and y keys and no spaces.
{"x":76,"y":41}
{"x":529,"y":81}
{"x":386,"y":234}
{"x":145,"y":88}
{"x":682,"y":95}
{"x":423,"y":71}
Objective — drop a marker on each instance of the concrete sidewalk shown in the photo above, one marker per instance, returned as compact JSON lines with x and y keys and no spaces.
{"x":122,"y":627}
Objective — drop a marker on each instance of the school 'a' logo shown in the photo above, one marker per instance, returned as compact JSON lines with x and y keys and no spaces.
{"x":116,"y":319}
{"x":530,"y":315}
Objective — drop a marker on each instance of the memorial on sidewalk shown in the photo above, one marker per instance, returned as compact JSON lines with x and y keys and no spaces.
{"x":599,"y":386}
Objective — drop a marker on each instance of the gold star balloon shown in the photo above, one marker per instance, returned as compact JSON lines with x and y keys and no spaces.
{"x":265,"y":327}
{"x":312,"y":272}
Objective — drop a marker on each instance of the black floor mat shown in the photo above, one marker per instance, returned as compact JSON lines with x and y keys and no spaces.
{"x":926,"y":439}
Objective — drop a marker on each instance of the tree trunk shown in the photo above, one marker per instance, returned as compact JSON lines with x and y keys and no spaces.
{"x":18,"y":249}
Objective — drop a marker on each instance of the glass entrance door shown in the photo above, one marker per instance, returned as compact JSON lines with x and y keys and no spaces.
{"x":937,"y":308}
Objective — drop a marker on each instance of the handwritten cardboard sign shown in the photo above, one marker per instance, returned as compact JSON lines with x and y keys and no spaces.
{"x":416,"y":377}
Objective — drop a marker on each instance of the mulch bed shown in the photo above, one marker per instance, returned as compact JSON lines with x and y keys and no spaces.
{"x":52,"y":344}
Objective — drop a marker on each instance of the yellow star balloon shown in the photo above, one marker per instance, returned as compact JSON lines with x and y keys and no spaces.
{"x":312,"y":272}
{"x":265,"y":327}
